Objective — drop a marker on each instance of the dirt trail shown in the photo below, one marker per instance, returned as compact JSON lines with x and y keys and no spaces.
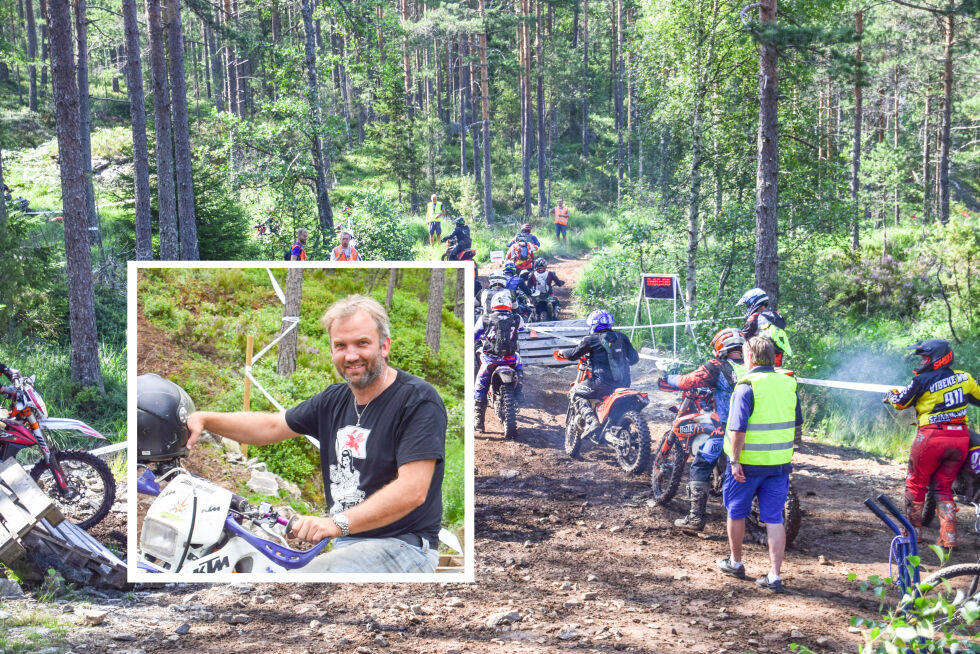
{"x":568,"y":555}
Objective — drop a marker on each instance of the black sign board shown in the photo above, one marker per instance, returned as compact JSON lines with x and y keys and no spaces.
{"x":658,"y":287}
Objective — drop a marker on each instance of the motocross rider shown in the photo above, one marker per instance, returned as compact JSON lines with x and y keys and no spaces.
{"x":720,"y":375}
{"x":497,"y":330}
{"x":542,"y":281}
{"x":940,"y":395}
{"x":462,"y":235}
{"x":526,"y":233}
{"x":497,"y":282}
{"x":521,"y":253}
{"x":610,"y":356}
{"x":760,"y":319}
{"x":515,"y":283}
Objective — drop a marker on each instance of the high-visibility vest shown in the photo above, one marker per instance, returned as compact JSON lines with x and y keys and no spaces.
{"x":740,"y":369}
{"x":338,"y":254}
{"x":772,"y":425}
{"x":561,"y":215}
{"x":432,"y":210}
{"x":302,"y":251}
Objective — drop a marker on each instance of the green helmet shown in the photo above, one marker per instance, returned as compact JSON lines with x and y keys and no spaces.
{"x":510,"y":268}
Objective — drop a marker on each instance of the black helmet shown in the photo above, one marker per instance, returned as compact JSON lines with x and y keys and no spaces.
{"x":540,"y":264}
{"x":460,"y":221}
{"x":936,"y":353}
{"x":162,"y":408}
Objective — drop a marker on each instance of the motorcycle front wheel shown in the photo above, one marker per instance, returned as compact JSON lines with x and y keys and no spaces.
{"x":92,"y":488}
{"x":508,"y":412}
{"x":633,"y":456}
{"x":668,"y":468}
{"x":573,"y":434}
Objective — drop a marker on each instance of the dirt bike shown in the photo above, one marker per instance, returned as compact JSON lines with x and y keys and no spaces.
{"x":545,"y":306}
{"x":80,"y":483}
{"x":462,"y":255}
{"x":268,"y":227}
{"x":502,"y":394}
{"x":195,"y":526}
{"x":621,"y":424}
{"x":696,"y":419}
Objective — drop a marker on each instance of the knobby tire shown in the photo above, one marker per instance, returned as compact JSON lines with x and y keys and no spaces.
{"x":637,"y":460}
{"x":668,"y":468}
{"x":77,"y":508}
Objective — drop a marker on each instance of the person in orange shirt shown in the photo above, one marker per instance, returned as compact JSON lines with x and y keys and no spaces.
{"x":561,"y":221}
{"x":298,"y":252}
{"x":345,"y":251}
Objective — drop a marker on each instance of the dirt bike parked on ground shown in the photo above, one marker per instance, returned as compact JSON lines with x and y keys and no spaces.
{"x":196,"y":526}
{"x":80,"y":483}
{"x":621,"y":424}
{"x":696,"y":419}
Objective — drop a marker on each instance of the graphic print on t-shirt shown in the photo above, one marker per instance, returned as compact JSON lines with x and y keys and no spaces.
{"x":345,"y":479}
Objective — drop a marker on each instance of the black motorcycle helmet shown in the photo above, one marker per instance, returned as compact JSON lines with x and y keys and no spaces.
{"x":936,"y":353}
{"x":162,"y":408}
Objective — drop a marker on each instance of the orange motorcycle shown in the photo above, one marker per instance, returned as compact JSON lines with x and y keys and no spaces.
{"x":621,"y":424}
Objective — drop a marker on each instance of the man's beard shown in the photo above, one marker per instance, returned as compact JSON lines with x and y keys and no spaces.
{"x":373,"y":368}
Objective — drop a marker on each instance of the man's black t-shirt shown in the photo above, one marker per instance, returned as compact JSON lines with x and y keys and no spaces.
{"x":406,"y":423}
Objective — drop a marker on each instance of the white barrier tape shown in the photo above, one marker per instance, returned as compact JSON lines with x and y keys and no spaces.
{"x":676,"y":324}
{"x":851,"y":386}
{"x":275,"y":286}
{"x":109,"y":449}
{"x":294,"y":321}
{"x":551,"y":332}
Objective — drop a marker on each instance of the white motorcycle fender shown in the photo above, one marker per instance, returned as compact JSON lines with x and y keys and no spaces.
{"x":231,"y":556}
{"x":67,"y":424}
{"x":167,"y":527}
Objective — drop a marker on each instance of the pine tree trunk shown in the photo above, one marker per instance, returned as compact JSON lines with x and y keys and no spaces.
{"x":3,"y":203}
{"x":766,"y":234}
{"x":31,"y":55}
{"x":137,"y":113}
{"x":231,"y":64}
{"x":42,"y":88}
{"x":474,"y":111}
{"x":896,"y":208}
{"x":406,"y":62}
{"x":392,"y":282}
{"x":618,"y":85}
{"x":313,"y":97}
{"x":693,"y":207}
{"x":459,"y":303}
{"x":926,"y":164}
{"x":85,"y":119}
{"x":166,"y":192}
{"x":542,"y":138}
{"x":948,"y":27}
{"x":856,"y":148}
{"x":286,"y":365}
{"x":81,"y":298}
{"x":526,"y":117}
{"x":464,"y":100}
{"x":485,"y":101}
{"x":215,"y":66}
{"x":585,"y":79}
{"x":182,"y":138}
{"x":433,"y":323}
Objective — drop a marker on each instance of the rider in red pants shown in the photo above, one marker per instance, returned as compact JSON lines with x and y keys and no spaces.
{"x":940,"y":395}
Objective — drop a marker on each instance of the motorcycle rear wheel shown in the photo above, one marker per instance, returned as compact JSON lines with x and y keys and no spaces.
{"x":792,"y":518}
{"x":668,"y":468}
{"x":90,"y":476}
{"x":508,"y":412}
{"x":635,"y":459}
{"x":573,"y":434}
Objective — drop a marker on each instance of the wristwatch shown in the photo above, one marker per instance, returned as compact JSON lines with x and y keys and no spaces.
{"x":341,"y":521}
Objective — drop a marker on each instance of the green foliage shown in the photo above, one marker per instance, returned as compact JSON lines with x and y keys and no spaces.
{"x":32,"y":289}
{"x":380,"y":227}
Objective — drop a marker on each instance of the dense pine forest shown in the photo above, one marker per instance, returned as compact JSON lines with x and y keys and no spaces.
{"x":827,"y":151}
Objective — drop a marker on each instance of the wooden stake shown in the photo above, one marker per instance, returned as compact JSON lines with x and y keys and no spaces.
{"x":249,"y":342}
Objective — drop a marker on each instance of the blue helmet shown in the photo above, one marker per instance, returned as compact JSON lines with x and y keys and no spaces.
{"x":753,"y":299}
{"x":599,"y":320}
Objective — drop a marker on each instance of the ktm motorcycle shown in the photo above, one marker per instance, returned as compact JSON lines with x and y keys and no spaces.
{"x":80,"y":483}
{"x":621,"y":425}
{"x":462,"y":255}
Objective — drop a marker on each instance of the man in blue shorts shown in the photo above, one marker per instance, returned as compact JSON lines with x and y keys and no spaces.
{"x":763,"y":423}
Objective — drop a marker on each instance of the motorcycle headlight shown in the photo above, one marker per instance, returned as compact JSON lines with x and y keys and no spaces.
{"x":159,"y":539}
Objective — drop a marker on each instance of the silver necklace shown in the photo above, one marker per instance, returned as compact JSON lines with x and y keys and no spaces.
{"x":359,"y":413}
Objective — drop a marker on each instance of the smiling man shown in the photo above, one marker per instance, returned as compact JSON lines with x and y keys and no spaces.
{"x":382,"y":435}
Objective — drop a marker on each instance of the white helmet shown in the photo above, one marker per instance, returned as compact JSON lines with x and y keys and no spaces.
{"x":501,"y":301}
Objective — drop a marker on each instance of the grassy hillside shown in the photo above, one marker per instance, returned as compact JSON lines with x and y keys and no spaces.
{"x":198,"y":321}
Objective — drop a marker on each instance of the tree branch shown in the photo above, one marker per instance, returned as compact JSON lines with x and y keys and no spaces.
{"x":743,"y":10}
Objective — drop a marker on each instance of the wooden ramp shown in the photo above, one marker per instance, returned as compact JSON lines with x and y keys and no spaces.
{"x":34,"y":536}
{"x":543,"y":338}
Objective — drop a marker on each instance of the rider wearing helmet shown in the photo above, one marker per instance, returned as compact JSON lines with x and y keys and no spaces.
{"x":522,"y":252}
{"x":940,"y":395}
{"x":497,"y":282}
{"x":526,"y":233}
{"x":610,"y":356}
{"x":461,"y":237}
{"x":720,"y":375}
{"x":9,"y":373}
{"x":543,"y":281}
{"x":514,"y":282}
{"x":760,"y":319}
{"x":497,"y":329}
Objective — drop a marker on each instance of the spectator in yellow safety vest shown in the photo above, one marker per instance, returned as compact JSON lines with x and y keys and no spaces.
{"x":433,"y":217}
{"x":561,"y":222}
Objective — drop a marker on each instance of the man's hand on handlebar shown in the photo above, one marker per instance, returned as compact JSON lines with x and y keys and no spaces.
{"x":663,"y":385}
{"x":313,"y":529}
{"x":560,"y":356}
